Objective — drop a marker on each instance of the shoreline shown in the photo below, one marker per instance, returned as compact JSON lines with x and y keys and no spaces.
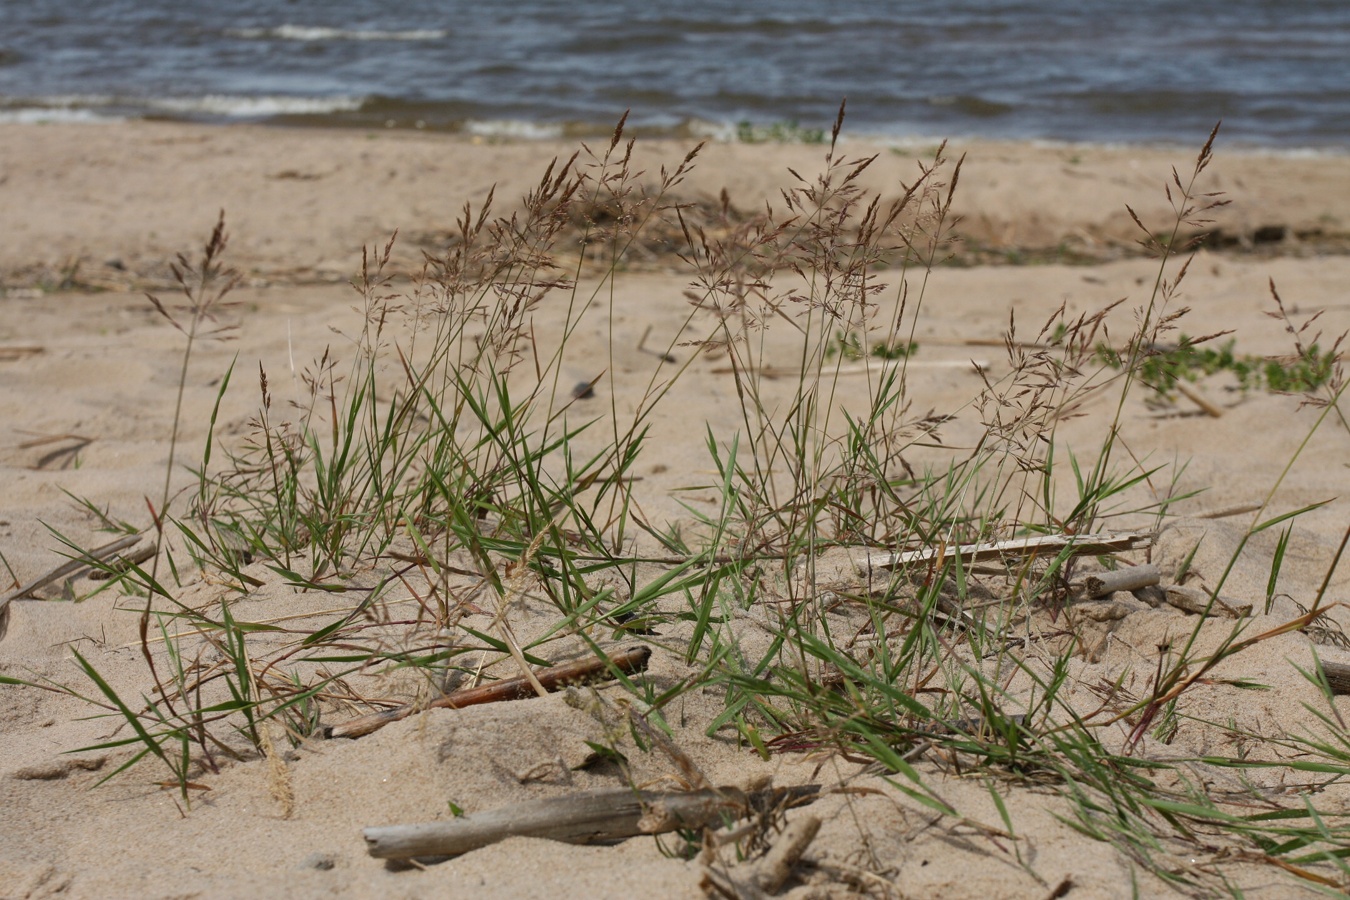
{"x":528,"y":131}
{"x":342,"y":114}
{"x":118,"y":201}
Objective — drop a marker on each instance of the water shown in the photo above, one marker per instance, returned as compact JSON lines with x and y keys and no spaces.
{"x":1277,"y":73}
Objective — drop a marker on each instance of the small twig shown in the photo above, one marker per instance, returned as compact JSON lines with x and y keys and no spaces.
{"x":688,"y":768}
{"x":1062,"y":889}
{"x":10,"y":352}
{"x":986,"y":342}
{"x":973,"y":365}
{"x":1198,"y":399}
{"x":627,"y":661}
{"x":1198,"y":602}
{"x":661,"y":355}
{"x":43,"y":440}
{"x":1227,"y":511}
{"x":1331,"y":569}
{"x":766,"y":876}
{"x":774,"y":870}
{"x":1046,"y":545}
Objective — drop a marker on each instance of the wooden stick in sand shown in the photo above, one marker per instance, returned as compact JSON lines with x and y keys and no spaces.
{"x":1337,"y":675}
{"x":1199,"y":400}
{"x":71,"y":566}
{"x":764,"y":877}
{"x":659,"y":354}
{"x":61,"y":571}
{"x":972,"y":365}
{"x":9,"y":352}
{"x":123,"y":563}
{"x":593,"y":668}
{"x":1227,"y":511}
{"x":1050,"y":546}
{"x":1129,"y":578}
{"x":588,"y":818}
{"x":1198,"y":603}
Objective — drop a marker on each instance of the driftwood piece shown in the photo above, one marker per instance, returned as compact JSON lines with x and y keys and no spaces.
{"x":588,"y":818}
{"x":772,"y":372}
{"x":1050,"y":545}
{"x":1197,"y":602}
{"x":66,"y":568}
{"x":1129,"y":578}
{"x":773,"y":871}
{"x":764,"y":877}
{"x":123,"y":563}
{"x":1337,"y":675}
{"x":10,"y":352}
{"x":593,"y":668}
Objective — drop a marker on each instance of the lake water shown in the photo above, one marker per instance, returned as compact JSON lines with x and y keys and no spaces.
{"x":1277,"y":73}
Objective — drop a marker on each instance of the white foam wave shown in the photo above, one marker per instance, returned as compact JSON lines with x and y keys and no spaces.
{"x":50,"y":116}
{"x":514,"y":128}
{"x":253,"y":107}
{"x":721,"y":132}
{"x":91,"y":107}
{"x":317,"y":33}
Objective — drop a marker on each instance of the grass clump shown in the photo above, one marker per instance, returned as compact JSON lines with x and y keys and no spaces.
{"x":896,"y":350}
{"x":787,"y":132}
{"x":442,"y":482}
{"x":850,"y":347}
{"x":1307,"y":371}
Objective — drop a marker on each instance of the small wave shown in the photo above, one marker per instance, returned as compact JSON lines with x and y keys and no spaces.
{"x":317,"y":33}
{"x":61,"y":108}
{"x":54,"y":116}
{"x":720,"y":132}
{"x":514,"y":128}
{"x":112,"y":107}
{"x":232,"y":106}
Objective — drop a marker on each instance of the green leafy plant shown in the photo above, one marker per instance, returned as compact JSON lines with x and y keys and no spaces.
{"x":896,"y":350}
{"x":1308,"y":370}
{"x":788,"y":132}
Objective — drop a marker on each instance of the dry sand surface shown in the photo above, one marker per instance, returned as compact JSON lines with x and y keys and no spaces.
{"x":88,"y":374}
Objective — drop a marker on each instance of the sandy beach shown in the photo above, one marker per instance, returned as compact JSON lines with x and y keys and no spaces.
{"x":94,"y":216}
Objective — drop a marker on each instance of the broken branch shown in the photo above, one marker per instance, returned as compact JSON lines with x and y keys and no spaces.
{"x":589,"y":818}
{"x":627,"y":661}
{"x":1044,"y":545}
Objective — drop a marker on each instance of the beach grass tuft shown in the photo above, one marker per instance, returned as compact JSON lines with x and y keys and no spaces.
{"x":439,"y":475}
